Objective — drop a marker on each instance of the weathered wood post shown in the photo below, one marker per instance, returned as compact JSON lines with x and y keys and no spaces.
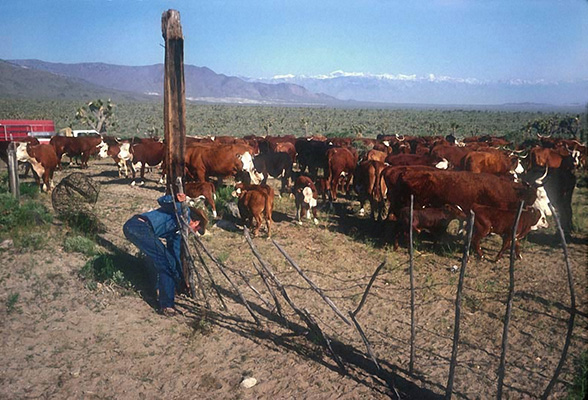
{"x":174,"y":99}
{"x":464,"y":263}
{"x":13,"y":171}
{"x":511,"y":288}
{"x":174,"y":116}
{"x":573,"y":311}
{"x":411,"y":273}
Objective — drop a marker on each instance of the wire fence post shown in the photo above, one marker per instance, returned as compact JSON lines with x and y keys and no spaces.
{"x":411,"y":274}
{"x":511,"y":287}
{"x":13,"y":171}
{"x":464,"y":262}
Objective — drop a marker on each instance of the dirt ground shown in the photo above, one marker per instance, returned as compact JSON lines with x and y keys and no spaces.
{"x":65,"y":339}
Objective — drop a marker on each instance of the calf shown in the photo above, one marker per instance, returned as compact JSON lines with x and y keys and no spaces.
{"x":255,"y":201}
{"x":42,"y":158}
{"x":429,"y":219}
{"x":305,"y":196}
{"x":500,"y":221}
{"x":202,"y":190}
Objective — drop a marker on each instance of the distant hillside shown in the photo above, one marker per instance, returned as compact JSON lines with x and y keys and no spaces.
{"x":22,"y":82}
{"x":201,"y":83}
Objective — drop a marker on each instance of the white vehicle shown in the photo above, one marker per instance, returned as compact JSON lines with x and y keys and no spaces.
{"x":79,"y":132}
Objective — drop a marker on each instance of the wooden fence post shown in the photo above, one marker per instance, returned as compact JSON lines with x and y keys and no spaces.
{"x":13,"y":171}
{"x":174,"y":119}
{"x":564,"y":351}
{"x":411,"y":274}
{"x":464,"y":263}
{"x":511,"y":287}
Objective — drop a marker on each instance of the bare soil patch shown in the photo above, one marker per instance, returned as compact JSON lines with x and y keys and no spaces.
{"x":61,"y":339}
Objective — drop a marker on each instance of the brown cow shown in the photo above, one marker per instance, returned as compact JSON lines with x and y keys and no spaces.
{"x":430,"y":219}
{"x":119,"y":151}
{"x":204,"y":161}
{"x":255,"y":201}
{"x":494,"y":162}
{"x":147,"y":152}
{"x":436,"y":188}
{"x":552,"y":158}
{"x":365,"y":181}
{"x":500,"y":221}
{"x":42,"y":158}
{"x":83,"y":147}
{"x":204,"y":191}
{"x":453,"y":154}
{"x":376,"y":155}
{"x":341,"y":163}
{"x":397,"y":160}
{"x":305,"y":198}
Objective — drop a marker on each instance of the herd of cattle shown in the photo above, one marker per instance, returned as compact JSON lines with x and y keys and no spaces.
{"x":446,"y":177}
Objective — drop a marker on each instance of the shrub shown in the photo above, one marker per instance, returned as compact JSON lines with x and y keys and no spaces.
{"x":25,"y":223}
{"x":223,"y":198}
{"x":102,"y":269}
{"x":579,"y":388}
{"x":79,"y":244}
{"x":83,"y":222}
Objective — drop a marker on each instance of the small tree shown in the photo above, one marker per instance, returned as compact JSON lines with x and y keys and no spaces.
{"x":97,"y":115}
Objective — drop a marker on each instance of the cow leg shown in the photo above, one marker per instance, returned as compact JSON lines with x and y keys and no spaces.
{"x":142,"y":182}
{"x":506,"y":240}
{"x":258,"y":222}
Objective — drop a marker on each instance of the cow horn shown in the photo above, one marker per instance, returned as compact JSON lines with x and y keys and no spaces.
{"x":398,"y":137}
{"x":539,"y":181}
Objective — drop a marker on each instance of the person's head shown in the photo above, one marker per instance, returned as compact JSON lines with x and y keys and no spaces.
{"x":199,"y":215}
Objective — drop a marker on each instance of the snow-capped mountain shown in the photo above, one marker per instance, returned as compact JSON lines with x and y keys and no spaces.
{"x":434,"y":89}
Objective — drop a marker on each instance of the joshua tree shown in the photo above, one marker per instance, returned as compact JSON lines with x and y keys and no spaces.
{"x":97,"y":115}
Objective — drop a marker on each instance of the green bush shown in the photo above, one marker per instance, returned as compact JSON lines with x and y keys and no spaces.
{"x":83,"y":222}
{"x":223,"y":198}
{"x":79,"y":244}
{"x":25,"y":223}
{"x":103,"y":269}
{"x":579,"y":388}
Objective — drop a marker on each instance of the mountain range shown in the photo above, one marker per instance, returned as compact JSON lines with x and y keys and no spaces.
{"x":202,"y":84}
{"x":40,"y":79}
{"x":431,"y":89}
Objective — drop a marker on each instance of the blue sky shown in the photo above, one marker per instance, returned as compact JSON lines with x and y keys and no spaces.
{"x":482,"y":39}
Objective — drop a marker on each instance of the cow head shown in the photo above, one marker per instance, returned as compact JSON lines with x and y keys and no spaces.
{"x":541,"y":220}
{"x":247,"y":162}
{"x":21,"y":152}
{"x":103,"y":149}
{"x":443,"y":164}
{"x":542,"y":201}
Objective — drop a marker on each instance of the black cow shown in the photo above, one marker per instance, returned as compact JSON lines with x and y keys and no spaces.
{"x":276,"y":165}
{"x":559,"y":185}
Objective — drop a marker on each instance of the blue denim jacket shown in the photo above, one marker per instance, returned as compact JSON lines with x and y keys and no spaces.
{"x":163,"y":220}
{"x":165,"y":225}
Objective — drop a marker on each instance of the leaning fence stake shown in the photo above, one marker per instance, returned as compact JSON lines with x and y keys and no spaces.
{"x":511,"y":286}
{"x":367,"y":289}
{"x":264,"y":301}
{"x":221,"y":268}
{"x":564,"y":351}
{"x":312,"y":285}
{"x":464,"y":262}
{"x":277,"y":307}
{"x":365,"y":340}
{"x":212,"y":281}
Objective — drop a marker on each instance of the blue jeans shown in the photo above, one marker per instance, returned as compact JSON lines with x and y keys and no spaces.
{"x":139,"y":231}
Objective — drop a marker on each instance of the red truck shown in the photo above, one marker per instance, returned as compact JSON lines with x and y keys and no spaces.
{"x":15,"y":129}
